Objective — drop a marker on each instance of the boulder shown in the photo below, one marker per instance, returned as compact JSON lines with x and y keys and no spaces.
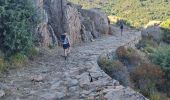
{"x":153,"y":32}
{"x":99,"y":18}
{"x":37,"y":78}
{"x":84,"y":80}
{"x":89,"y":26}
{"x":64,"y":17}
{"x":86,"y":35}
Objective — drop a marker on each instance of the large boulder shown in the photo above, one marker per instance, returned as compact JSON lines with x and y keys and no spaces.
{"x":90,"y":27}
{"x":72,"y":23}
{"x":64,"y":17}
{"x":153,"y":32}
{"x":99,"y":18}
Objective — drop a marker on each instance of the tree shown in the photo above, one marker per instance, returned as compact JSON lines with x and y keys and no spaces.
{"x":17,"y":22}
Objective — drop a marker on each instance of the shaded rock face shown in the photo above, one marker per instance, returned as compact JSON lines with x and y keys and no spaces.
{"x":55,"y":13}
{"x":44,"y":33}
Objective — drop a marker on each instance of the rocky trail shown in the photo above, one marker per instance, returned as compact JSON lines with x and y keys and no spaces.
{"x":50,"y":77}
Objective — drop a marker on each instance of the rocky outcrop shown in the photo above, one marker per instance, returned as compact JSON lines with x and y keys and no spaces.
{"x":152,"y":30}
{"x":44,"y":35}
{"x":99,"y":19}
{"x":72,"y":23}
{"x":60,"y":16}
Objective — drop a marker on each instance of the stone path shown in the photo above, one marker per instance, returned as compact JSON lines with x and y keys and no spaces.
{"x":50,"y":77}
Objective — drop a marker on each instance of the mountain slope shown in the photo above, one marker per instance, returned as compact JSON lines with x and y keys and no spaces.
{"x":139,"y":12}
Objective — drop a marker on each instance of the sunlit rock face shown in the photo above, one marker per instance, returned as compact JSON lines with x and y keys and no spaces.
{"x":59,"y":16}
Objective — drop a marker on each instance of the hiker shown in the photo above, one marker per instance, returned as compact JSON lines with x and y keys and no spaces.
{"x":121,"y":27}
{"x":66,"y":44}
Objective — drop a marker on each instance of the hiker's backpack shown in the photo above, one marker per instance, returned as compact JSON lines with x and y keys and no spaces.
{"x":62,"y":38}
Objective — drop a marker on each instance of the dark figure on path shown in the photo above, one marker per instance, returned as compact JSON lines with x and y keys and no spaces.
{"x":121,"y":28}
{"x":66,"y":44}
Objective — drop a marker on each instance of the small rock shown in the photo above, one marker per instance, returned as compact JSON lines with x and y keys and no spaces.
{"x":85,"y":92}
{"x":60,"y":95}
{"x":72,"y":82}
{"x":3,"y":86}
{"x":84,"y":79}
{"x":2,"y":93}
{"x":96,"y":75}
{"x":116,"y":83}
{"x":101,"y":82}
{"x":55,"y":85}
{"x":37,"y":78}
{"x":32,"y":92}
{"x":74,"y":91}
{"x":91,"y":98}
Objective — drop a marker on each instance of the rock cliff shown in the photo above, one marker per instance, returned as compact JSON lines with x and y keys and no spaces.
{"x":60,"y":16}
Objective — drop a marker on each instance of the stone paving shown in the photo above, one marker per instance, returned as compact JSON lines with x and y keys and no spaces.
{"x":50,"y":77}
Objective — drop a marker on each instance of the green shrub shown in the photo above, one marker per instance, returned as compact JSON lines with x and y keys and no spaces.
{"x":121,"y":52}
{"x":158,"y":96}
{"x":146,"y":77}
{"x":2,"y":64}
{"x":165,"y":24}
{"x":166,"y":36}
{"x":18,"y":60}
{"x":147,"y":45}
{"x":161,"y":57}
{"x":166,"y":30}
{"x":115,"y":69}
{"x":17,"y":23}
{"x":105,"y":64}
{"x":128,"y":56}
{"x":155,"y":96}
{"x":120,"y":73}
{"x":50,"y":46}
{"x":32,"y":52}
{"x":148,"y":49}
